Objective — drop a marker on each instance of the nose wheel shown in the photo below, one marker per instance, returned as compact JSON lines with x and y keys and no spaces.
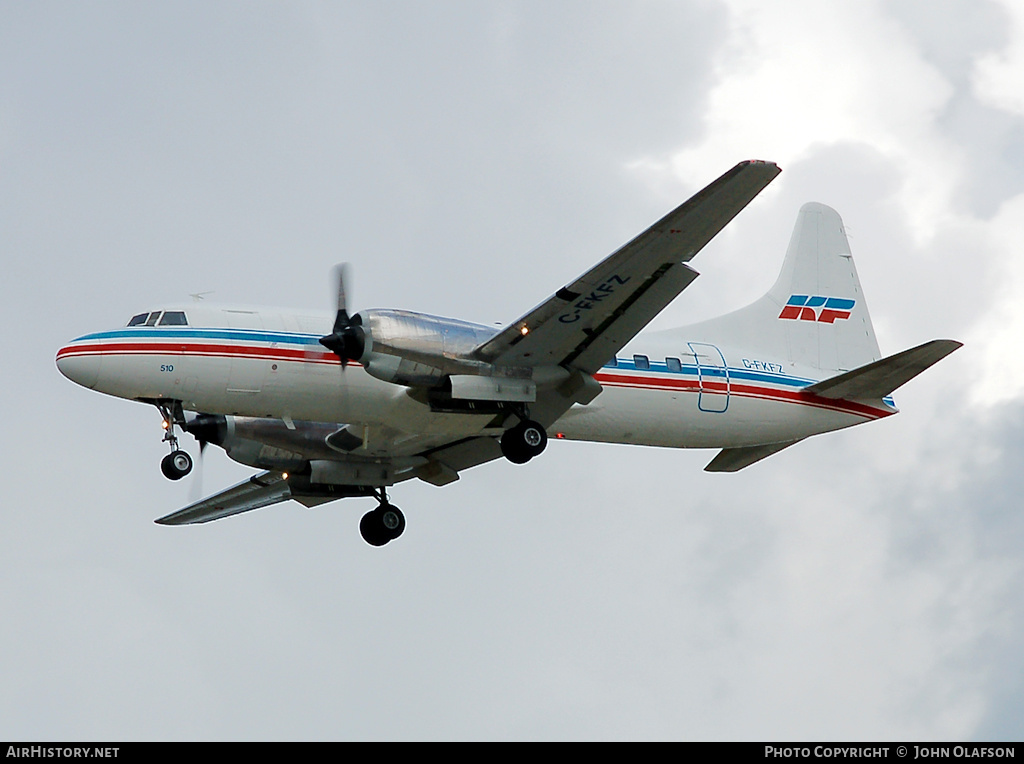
{"x":178,"y":463}
{"x":384,"y":524}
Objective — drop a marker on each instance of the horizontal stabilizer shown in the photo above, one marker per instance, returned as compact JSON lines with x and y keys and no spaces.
{"x":735,"y":459}
{"x":258,"y":491}
{"x":879,"y":378}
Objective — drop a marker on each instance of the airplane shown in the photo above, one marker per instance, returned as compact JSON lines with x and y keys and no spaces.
{"x":341,"y":405}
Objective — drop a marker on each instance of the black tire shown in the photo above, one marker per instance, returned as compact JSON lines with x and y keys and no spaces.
{"x":512,"y":449}
{"x":521,"y":443}
{"x":176,"y":465}
{"x":372,"y":529}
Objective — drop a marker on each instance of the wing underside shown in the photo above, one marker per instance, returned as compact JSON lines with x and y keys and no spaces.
{"x":258,"y":491}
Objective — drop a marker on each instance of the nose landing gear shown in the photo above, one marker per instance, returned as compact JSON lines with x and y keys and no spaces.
{"x":178,"y":463}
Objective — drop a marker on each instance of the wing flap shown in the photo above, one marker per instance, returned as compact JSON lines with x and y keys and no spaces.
{"x":258,"y":491}
{"x":879,"y":378}
{"x":445,"y":463}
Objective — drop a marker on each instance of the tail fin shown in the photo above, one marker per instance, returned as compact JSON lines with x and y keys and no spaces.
{"x":815,"y":314}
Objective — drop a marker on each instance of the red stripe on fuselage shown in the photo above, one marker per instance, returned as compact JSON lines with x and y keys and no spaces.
{"x":637,"y":381}
{"x":743,"y":390}
{"x":200,"y":349}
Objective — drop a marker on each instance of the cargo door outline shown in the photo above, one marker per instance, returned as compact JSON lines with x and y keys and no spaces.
{"x":712,"y":378}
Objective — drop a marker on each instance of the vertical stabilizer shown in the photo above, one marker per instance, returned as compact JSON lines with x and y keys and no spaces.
{"x":815,"y":314}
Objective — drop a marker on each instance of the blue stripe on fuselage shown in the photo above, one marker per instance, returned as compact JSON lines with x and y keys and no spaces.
{"x":738,"y":374}
{"x":305,"y":340}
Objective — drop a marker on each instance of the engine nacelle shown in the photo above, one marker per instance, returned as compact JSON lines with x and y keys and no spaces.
{"x":322,"y":451}
{"x":434,"y":355}
{"x":419,"y":350}
{"x":264,"y":443}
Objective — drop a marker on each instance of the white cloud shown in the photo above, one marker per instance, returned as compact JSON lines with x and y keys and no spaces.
{"x":846,"y":587}
{"x":999,"y":76}
{"x":997,"y":336}
{"x":815,"y":74}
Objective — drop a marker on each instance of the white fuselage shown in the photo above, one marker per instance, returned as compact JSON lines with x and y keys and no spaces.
{"x":268,"y":363}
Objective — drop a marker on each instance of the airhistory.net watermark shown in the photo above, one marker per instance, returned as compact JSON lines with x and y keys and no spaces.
{"x":60,"y":752}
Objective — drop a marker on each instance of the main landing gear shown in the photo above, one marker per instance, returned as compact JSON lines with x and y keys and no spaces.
{"x":178,"y":463}
{"x":384,"y":524}
{"x":526,"y":440}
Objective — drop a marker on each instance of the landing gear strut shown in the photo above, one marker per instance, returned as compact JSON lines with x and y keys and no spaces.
{"x":526,"y":440}
{"x":178,"y":463}
{"x":384,"y":524}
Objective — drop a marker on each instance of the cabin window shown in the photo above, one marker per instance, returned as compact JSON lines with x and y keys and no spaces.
{"x":152,"y":318}
{"x":174,"y":318}
{"x":139,"y":319}
{"x":641,"y":362}
{"x":674,"y":364}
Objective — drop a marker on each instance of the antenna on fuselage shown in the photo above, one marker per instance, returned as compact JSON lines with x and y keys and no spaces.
{"x":199,"y":296}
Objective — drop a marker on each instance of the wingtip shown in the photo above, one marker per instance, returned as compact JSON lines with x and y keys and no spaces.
{"x":764,"y":163}
{"x":948,"y":346}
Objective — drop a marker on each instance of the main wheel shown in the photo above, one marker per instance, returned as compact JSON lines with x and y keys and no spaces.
{"x":392,"y":520}
{"x":382,"y":525}
{"x":372,"y":531}
{"x":176,"y":465}
{"x":521,"y":443}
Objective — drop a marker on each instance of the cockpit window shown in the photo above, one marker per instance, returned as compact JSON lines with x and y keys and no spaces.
{"x":160,"y":318}
{"x":174,"y":318}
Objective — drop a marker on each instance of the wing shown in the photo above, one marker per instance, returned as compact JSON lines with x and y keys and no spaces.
{"x":585,"y":323}
{"x":261,"y":491}
{"x":258,"y":491}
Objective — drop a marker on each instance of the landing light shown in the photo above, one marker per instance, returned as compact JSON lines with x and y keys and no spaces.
{"x":524,"y":330}
{"x":165,"y":424}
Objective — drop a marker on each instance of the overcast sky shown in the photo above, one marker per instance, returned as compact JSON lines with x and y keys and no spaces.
{"x":469,"y":158}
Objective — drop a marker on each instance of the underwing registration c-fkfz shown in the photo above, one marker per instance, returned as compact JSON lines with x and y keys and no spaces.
{"x":335,"y":405}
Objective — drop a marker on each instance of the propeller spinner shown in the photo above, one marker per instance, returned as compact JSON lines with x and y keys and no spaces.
{"x":347,"y":340}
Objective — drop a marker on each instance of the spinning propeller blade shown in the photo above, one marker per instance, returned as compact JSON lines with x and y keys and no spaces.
{"x":347,"y":339}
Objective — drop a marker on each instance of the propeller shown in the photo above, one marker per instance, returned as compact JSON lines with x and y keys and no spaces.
{"x":347,"y":340}
{"x":195,"y":491}
{"x":206,"y":429}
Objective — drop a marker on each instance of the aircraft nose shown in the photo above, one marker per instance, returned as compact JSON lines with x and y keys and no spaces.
{"x":79,"y":368}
